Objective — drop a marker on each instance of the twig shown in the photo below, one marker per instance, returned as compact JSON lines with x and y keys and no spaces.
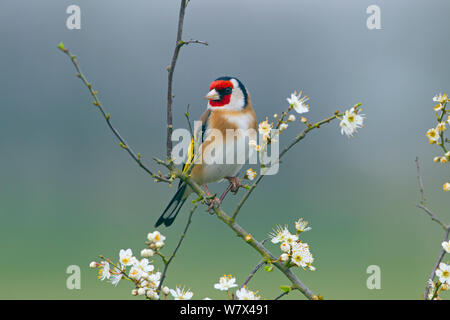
{"x":433,"y":216}
{"x":419,"y":178}
{"x":258,"y":266}
{"x":107,"y":116}
{"x":183,"y":235}
{"x":248,"y":238}
{"x":436,"y":265}
{"x":282,"y":295}
{"x":297,"y":139}
{"x":436,"y":219}
{"x":250,"y":276}
{"x":187,"y":115}
{"x":171,"y":68}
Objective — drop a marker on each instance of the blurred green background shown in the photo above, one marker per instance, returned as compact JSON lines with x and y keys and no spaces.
{"x":69,"y":192}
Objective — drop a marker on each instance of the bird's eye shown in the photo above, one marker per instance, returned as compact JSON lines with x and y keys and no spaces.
{"x":227,"y":91}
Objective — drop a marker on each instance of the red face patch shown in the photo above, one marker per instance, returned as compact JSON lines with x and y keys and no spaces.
{"x":221,"y":86}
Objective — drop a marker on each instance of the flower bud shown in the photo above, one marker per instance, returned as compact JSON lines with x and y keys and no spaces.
{"x":147,"y":253}
{"x":159,"y":244}
{"x":284,"y":257}
{"x":165,"y":290}
{"x":141,"y":291}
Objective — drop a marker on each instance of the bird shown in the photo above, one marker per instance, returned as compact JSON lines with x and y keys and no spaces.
{"x":229,"y":107}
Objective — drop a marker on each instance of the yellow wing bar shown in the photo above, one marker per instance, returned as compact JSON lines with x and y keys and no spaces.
{"x":190,"y":156}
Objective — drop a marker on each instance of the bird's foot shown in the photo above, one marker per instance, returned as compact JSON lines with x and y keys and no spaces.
{"x":235,"y":184}
{"x":212,"y":203}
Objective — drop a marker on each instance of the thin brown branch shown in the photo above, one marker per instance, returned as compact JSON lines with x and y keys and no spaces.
{"x":422,"y":200}
{"x":248,"y":238}
{"x":433,"y":216}
{"x":282,"y":295}
{"x":255,"y":269}
{"x":250,"y":276}
{"x":183,"y":235}
{"x":107,"y":117}
{"x":436,"y":219}
{"x":419,"y":178}
{"x":436,"y":265}
{"x":188,"y":119}
{"x":296,"y":140}
{"x":171,"y":68}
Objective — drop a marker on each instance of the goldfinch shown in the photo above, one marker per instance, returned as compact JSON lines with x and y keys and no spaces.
{"x":229,"y":108}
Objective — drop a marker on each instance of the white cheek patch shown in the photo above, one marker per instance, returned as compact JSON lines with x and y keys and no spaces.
{"x":237,"y":101}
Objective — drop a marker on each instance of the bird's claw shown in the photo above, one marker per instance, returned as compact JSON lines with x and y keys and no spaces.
{"x":211,"y":204}
{"x":235,"y":184}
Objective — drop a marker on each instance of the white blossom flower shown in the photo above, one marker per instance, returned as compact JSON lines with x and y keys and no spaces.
{"x":302,"y":225}
{"x":245,"y":294}
{"x":206,"y":298}
{"x":115,"y":278}
{"x":181,"y":294}
{"x":350,"y":122}
{"x":301,"y":256}
{"x":283,"y":235}
{"x":265,"y":128}
{"x":147,"y":253}
{"x":446,"y":246}
{"x":443,"y":273}
{"x":154,"y":279}
{"x":225,"y":283}
{"x":155,"y":237}
{"x":438,"y":107}
{"x":298,"y":102}
{"x":104,"y":271}
{"x":93,"y":265}
{"x":252,"y":144}
{"x":433,"y":135}
{"x":135,"y":273}
{"x":291,"y":118}
{"x":141,"y":291}
{"x":144,"y":265}
{"x":250,"y":174}
{"x":446,"y":187}
{"x":152,"y":294}
{"x":285,"y":247}
{"x":441,"y":127}
{"x":441,"y":98}
{"x":283,"y":127}
{"x":126,"y":257}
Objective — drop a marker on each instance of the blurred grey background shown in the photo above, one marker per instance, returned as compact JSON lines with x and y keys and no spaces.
{"x":69,"y":192}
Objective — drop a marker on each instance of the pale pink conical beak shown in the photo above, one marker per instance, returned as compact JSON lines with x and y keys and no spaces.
{"x":213,"y":95}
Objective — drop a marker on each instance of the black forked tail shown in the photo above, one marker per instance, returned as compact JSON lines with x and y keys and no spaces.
{"x":174,"y":206}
